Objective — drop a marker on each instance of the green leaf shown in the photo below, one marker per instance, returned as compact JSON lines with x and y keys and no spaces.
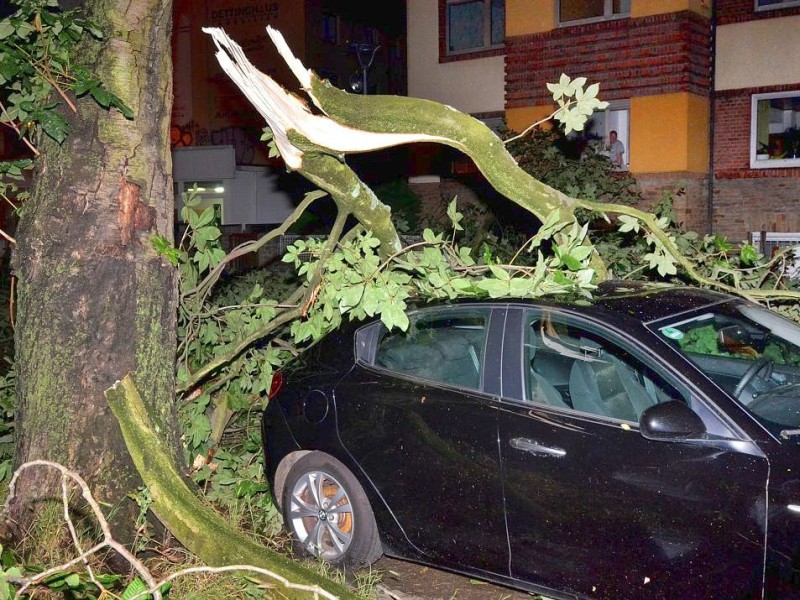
{"x":103,"y":97}
{"x":430,"y":237}
{"x":582,"y":252}
{"x":499,"y":273}
{"x":749,"y":254}
{"x":6,"y":29}
{"x":494,"y":287}
{"x":454,"y":215}
{"x":54,"y":125}
{"x":73,"y":580}
{"x":84,"y":85}
{"x":135,"y":587}
{"x":628,"y":223}
{"x":350,"y":297}
{"x":572,"y":263}
{"x":24,"y":29}
{"x":394,"y":316}
{"x":206,"y":217}
{"x":249,"y":488}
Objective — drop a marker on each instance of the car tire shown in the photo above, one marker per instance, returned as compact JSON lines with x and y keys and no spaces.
{"x":328,"y":514}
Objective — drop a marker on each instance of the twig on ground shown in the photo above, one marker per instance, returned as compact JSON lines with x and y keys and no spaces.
{"x":153,"y":587}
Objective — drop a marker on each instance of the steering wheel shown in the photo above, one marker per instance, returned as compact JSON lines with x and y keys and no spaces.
{"x":758,"y":366}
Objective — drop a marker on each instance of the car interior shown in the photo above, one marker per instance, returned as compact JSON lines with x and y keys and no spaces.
{"x":447,"y":350}
{"x":584,"y":374}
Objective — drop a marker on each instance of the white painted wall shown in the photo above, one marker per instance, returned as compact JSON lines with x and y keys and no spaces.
{"x":471,"y":86}
{"x":758,"y":53}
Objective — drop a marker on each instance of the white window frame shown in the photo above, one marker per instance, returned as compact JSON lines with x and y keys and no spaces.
{"x":487,"y":28}
{"x":623,"y":131}
{"x":780,"y":5}
{"x":608,"y":15}
{"x":774,"y":163}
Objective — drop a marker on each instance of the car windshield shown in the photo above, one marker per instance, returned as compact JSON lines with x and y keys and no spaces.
{"x":749,"y":351}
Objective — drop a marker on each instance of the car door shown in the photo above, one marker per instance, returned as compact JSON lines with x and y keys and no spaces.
{"x":596,"y":509}
{"x":414,"y":415}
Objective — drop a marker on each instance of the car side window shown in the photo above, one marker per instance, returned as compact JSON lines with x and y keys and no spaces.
{"x":572,"y":367}
{"x":442,"y":345}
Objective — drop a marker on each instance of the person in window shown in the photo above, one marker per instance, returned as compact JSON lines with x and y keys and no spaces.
{"x":616,"y":150}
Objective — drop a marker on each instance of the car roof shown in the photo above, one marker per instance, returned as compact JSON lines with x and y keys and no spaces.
{"x":652,"y":302}
{"x":619,"y":299}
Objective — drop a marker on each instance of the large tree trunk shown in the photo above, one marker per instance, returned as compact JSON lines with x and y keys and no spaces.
{"x":95,"y":301}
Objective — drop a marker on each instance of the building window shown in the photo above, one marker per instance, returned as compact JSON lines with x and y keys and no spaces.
{"x":570,"y":11}
{"x":329,"y":29}
{"x":596,"y":134}
{"x":474,"y":25}
{"x":772,"y":4}
{"x":775,"y":130}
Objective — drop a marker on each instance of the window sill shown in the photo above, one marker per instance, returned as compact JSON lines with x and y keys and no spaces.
{"x":760,"y":9}
{"x":777,"y":163}
{"x":591,"y":20}
{"x":473,"y":54}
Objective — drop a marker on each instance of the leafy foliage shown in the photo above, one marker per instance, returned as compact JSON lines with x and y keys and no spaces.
{"x":632,"y":251}
{"x":37,"y":59}
{"x":575,"y":105}
{"x":573,"y":168}
{"x":357,"y":284}
{"x":39,"y":67}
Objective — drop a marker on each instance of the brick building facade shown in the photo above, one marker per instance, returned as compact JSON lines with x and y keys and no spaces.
{"x":754,"y":61}
{"x":685,"y":79}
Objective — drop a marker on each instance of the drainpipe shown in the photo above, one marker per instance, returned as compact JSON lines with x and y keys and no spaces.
{"x":712,"y":117}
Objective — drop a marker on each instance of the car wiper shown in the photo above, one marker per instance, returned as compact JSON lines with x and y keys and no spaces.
{"x":787,"y":433}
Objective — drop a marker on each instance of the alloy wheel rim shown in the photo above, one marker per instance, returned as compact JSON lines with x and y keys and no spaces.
{"x":321,"y":515}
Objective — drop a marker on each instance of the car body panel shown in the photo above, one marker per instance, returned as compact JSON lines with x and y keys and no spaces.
{"x":440,"y":473}
{"x":484,"y":482}
{"x":618,"y":515}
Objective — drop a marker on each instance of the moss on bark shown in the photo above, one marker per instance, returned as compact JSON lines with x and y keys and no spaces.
{"x":94,"y":300}
{"x":192,"y":523}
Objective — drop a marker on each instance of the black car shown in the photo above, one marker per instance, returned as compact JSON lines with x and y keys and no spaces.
{"x":645,"y":444}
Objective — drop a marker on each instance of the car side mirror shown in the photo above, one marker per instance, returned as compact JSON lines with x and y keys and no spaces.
{"x":671,"y":420}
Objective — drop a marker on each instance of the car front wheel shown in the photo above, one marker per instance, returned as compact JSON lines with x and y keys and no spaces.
{"x":327,"y":512}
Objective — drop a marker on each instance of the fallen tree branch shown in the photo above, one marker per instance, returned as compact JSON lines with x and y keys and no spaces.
{"x":195,"y":525}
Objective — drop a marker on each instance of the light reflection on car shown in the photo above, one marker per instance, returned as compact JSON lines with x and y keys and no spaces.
{"x":641,"y":445}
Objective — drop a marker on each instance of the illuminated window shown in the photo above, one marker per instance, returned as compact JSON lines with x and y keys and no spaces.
{"x":570,"y":11}
{"x":474,"y":25}
{"x":775,"y":130}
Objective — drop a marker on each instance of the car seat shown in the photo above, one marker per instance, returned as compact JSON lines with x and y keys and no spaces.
{"x":601,"y":384}
{"x":540,"y":390}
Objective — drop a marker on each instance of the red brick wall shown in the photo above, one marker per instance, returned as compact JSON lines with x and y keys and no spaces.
{"x":763,"y":204}
{"x":732,"y":136}
{"x":628,"y":57}
{"x":746,"y":199}
{"x":689,"y":196}
{"x":737,"y":11}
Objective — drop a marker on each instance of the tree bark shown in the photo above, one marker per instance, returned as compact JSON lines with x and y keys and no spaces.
{"x":95,"y":300}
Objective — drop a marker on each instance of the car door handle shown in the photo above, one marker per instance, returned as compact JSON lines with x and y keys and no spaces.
{"x":535,"y":448}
